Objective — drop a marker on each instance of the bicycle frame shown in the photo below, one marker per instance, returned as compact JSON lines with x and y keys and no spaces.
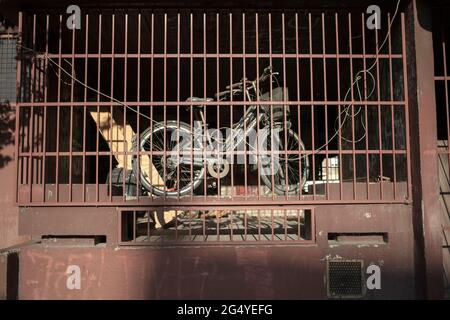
{"x":239,"y":133}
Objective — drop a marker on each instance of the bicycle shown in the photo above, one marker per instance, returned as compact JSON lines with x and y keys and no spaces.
{"x":181,"y":154}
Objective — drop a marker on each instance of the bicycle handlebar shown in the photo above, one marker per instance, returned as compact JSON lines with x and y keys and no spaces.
{"x":238,"y":85}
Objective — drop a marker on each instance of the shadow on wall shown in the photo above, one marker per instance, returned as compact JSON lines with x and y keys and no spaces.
{"x":7,"y":123}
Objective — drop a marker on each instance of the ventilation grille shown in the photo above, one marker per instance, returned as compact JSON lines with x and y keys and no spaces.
{"x":345,"y":279}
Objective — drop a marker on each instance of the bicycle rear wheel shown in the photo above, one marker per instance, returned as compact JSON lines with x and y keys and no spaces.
{"x":160,"y":168}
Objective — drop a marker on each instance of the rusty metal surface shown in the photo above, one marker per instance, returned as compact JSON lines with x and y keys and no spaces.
{"x":426,"y":214}
{"x":226,"y":272}
{"x":38,"y":222}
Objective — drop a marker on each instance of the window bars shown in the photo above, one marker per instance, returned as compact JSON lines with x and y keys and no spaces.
{"x":216,"y":107}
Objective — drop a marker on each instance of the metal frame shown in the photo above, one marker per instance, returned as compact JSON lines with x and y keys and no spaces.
{"x":305,"y":235}
{"x":35,"y":188}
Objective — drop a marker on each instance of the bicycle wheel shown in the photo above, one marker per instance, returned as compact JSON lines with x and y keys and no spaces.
{"x":160,"y":168}
{"x":284,"y":170}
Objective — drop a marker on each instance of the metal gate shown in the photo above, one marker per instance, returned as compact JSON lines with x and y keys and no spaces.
{"x":335,"y":102}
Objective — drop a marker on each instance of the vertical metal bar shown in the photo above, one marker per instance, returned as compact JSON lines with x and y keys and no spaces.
{"x":258,"y":155}
{"x":324,"y":61}
{"x":31,"y":121}
{"x":391,"y":84}
{"x":97,"y":140}
{"x":244,"y":113}
{"x":311,"y":80}
{"x":231,"y":224}
{"x":406,"y":96}
{"x":271,"y":124}
{"x":300,"y":155}
{"x":125,"y":98}
{"x":286,"y":129}
{"x":176,"y":225}
{"x":58,"y":112}
{"x":259,"y":224}
{"x":218,"y":107}
{"x":165,"y":106}
{"x":205,"y":133}
{"x":44,"y":138}
{"x":350,"y":38}
{"x":338,"y":76}
{"x":149,"y":213}
{"x":178,"y":99}
{"x":86,"y":57}
{"x":245,"y":225}
{"x":380,"y":141}
{"x":271,"y":116}
{"x":111,"y":108}
{"x":138,"y":117}
{"x":71,"y":116}
{"x":134,"y":225}
{"x":152,"y":74}
{"x":231,"y":105}
{"x":366,"y":108}
{"x":191,"y":91}
{"x":18,"y":109}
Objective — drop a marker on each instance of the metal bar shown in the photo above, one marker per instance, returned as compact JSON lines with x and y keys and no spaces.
{"x":352,"y":95}
{"x":44,"y":136}
{"x":338,"y":75}
{"x":366,"y":109}
{"x":229,"y":55}
{"x":164,"y":106}
{"x":325,"y":91}
{"x":124,"y":142}
{"x":31,"y":130}
{"x":152,"y":45}
{"x":244,"y":112}
{"x":97,"y":140}
{"x":311,"y":81}
{"x":218,"y":108}
{"x":111,"y":108}
{"x":406,"y":98}
{"x":391,"y":89}
{"x":58,"y":117}
{"x":138,"y":119}
{"x":286,"y":130}
{"x":258,"y":161}
{"x":271,"y":119}
{"x":159,"y":153}
{"x":178,"y":98}
{"x":297,"y":74}
{"x":230,"y":30}
{"x":380,"y":140}
{"x":17,"y":109}
{"x":207,"y":103}
{"x":205,"y":128}
{"x":213,"y":203}
{"x":71,"y":114}
{"x":86,"y":50}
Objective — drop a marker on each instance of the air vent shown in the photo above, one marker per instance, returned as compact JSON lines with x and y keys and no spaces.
{"x":345,"y":279}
